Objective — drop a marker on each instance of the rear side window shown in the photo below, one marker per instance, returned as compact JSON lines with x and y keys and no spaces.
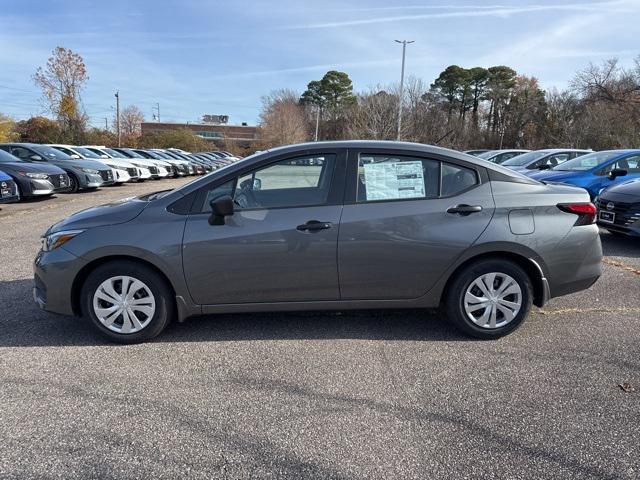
{"x":391,"y":177}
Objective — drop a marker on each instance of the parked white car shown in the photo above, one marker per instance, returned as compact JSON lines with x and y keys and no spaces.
{"x":133,"y":169}
{"x":158,"y":169}
{"x":121,"y":173}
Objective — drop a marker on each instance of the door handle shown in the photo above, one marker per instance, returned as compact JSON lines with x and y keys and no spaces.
{"x":464,"y":210}
{"x":313,"y":226}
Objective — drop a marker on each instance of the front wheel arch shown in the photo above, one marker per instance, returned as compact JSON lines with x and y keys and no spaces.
{"x":78,"y":282}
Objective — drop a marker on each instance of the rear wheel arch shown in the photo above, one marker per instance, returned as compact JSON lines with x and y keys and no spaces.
{"x":531,"y":268}
{"x":79,"y":280}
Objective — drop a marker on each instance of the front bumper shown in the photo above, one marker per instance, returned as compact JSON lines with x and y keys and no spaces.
{"x":53,"y":274}
{"x":627,"y":215}
{"x":40,"y":187}
{"x":92,"y":181}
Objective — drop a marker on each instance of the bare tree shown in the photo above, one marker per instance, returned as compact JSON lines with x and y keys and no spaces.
{"x":373,"y":116}
{"x":131,"y":119}
{"x":62,"y":81}
{"x":282,"y":120}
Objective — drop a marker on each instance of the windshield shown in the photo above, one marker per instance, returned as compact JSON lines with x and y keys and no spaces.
{"x":162,"y":155}
{"x":524,"y":158}
{"x":51,"y":153}
{"x":134,"y":154}
{"x":487,"y":155}
{"x":154,"y":155}
{"x":6,"y":157}
{"x":586,"y":162}
{"x":86,"y":153}
{"x":115,"y":153}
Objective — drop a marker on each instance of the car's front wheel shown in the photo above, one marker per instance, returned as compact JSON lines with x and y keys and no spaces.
{"x":489,"y":298}
{"x":127,"y":301}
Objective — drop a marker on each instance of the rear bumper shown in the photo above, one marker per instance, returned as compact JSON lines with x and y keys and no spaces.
{"x":578,"y":261}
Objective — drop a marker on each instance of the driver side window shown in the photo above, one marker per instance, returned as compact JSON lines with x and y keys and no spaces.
{"x":295,"y":182}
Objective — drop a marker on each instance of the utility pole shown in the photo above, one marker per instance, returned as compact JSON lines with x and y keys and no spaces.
{"x":400,"y":97}
{"x":157,"y":108}
{"x":118,"y":116}
{"x":106,"y":123}
{"x":317,"y":122}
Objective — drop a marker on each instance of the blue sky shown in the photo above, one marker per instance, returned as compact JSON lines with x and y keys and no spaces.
{"x":220,"y":57}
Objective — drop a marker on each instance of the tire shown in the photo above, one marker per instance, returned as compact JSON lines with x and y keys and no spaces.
{"x":156,"y":297}
{"x":73,"y":184}
{"x":459,"y":308}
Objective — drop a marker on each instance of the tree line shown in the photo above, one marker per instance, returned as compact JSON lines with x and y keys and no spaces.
{"x":466,"y":108}
{"x":462,"y":108}
{"x":62,"y":82}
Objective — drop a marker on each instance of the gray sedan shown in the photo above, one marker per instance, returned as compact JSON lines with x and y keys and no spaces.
{"x":326,"y":226}
{"x":83,"y":174}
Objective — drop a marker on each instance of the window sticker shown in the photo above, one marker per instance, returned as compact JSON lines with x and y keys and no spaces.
{"x":394,"y":180}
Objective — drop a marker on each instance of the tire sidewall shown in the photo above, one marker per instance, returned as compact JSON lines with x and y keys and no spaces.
{"x":455,"y":298}
{"x":75,"y":184}
{"x":157,"y":285}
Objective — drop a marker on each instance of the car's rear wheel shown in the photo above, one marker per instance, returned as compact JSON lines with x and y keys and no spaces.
{"x":127,"y":301}
{"x":489,"y":299}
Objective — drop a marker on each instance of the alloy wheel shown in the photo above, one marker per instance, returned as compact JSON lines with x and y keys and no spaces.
{"x":124,"y":304}
{"x":493,"y":300}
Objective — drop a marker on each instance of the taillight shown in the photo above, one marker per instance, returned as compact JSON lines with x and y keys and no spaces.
{"x":586,"y":212}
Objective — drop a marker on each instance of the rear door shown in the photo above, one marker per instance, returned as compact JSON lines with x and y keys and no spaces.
{"x":406,"y":218}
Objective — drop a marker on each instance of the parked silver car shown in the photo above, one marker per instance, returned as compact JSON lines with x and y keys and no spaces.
{"x":326,"y":226}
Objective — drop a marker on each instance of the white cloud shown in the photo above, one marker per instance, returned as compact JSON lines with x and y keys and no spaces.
{"x":474,"y":11}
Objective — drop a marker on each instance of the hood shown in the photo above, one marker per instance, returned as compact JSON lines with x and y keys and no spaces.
{"x":629,"y":188}
{"x":33,"y":167}
{"x":555,"y":175}
{"x":121,"y":211}
{"x":94,"y":164}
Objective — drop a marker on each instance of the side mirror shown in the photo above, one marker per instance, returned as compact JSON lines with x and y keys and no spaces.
{"x":617,"y":172}
{"x":544,"y":166}
{"x":36,"y":158}
{"x":220,"y":207}
{"x":74,"y":155}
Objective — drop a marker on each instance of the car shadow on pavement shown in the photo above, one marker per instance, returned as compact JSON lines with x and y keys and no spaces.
{"x":23,"y":324}
{"x":619,"y":245}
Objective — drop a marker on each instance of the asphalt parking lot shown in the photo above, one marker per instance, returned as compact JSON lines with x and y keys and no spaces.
{"x":353,"y":395}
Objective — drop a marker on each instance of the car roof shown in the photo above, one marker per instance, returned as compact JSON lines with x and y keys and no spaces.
{"x":555,"y":150}
{"x":391,"y":145}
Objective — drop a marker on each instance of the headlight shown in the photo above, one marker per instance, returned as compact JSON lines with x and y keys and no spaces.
{"x":90,"y":170}
{"x":41,"y":176}
{"x":55,"y":240}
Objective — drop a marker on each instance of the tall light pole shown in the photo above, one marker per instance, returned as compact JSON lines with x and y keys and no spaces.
{"x":317,"y":122}
{"x":118,"y":116}
{"x":157,"y":108}
{"x":400,"y":96}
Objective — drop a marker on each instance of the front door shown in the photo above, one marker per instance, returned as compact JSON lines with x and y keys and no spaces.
{"x":406,"y":219}
{"x":280,"y":245}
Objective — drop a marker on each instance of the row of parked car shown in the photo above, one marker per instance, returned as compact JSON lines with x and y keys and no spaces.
{"x":32,"y":170}
{"x":611,"y":177}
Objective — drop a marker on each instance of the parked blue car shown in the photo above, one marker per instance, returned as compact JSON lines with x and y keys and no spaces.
{"x":594,"y":171}
{"x":8,"y":189}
